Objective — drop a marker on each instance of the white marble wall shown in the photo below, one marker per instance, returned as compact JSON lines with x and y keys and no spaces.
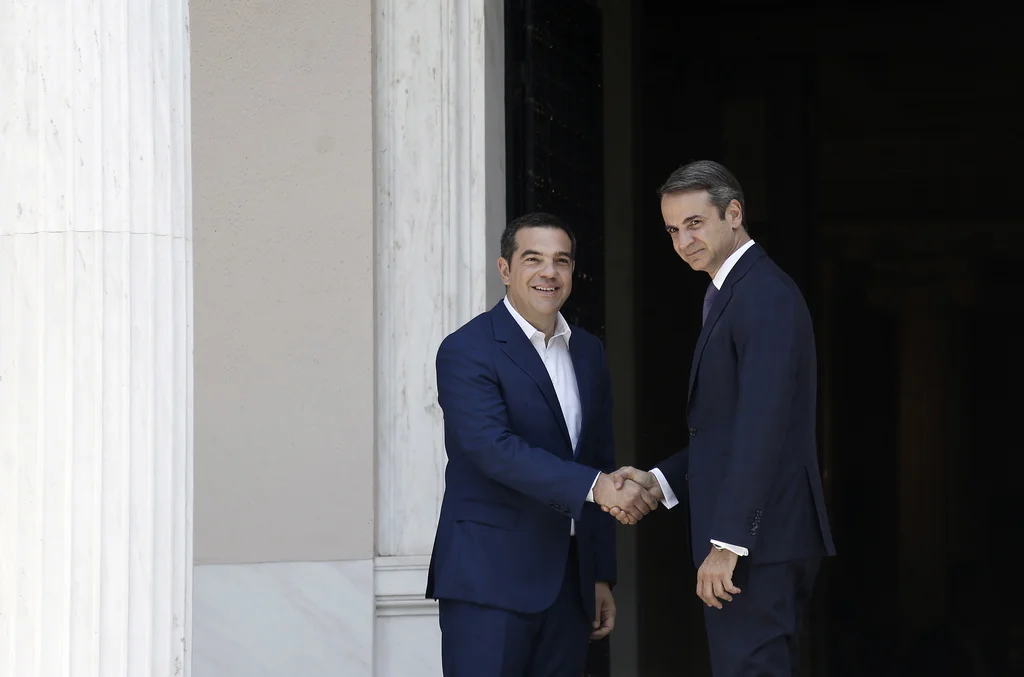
{"x":439,"y":154}
{"x":439,"y":161}
{"x":289,"y":618}
{"x":95,"y":339}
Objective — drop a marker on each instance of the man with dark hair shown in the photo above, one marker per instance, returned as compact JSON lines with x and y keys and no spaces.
{"x":757,"y":515}
{"x":524,"y":560}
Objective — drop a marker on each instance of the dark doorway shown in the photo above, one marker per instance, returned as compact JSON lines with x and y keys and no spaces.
{"x":554,"y":132}
{"x":879,"y":150}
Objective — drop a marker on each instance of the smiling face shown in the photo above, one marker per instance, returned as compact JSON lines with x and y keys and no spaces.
{"x":700,"y":234}
{"x":538,"y":274}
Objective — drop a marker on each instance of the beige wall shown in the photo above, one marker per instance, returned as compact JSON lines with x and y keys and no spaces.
{"x":283,"y":214}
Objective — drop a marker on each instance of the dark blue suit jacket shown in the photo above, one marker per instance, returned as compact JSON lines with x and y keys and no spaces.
{"x":511,"y":483}
{"x":751,"y":467}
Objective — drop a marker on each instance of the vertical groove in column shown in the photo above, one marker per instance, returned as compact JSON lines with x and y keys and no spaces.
{"x":451,"y":159}
{"x":180,"y":144}
{"x":92,"y":644}
{"x":165,"y":477}
{"x":141,"y":513}
{"x":161,"y":248}
{"x":385,"y":141}
{"x":78,"y":340}
{"x":454,"y":144}
{"x":64,"y":383}
{"x":114,"y":559}
{"x":50,"y":415}
{"x":15,"y":112}
{"x":95,"y":339}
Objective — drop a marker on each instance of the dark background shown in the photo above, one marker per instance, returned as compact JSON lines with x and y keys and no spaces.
{"x":879,"y":148}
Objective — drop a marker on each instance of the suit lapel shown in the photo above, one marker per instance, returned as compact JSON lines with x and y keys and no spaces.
{"x":742,"y":267}
{"x":521,"y":351}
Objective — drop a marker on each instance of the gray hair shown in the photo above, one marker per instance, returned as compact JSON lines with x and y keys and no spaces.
{"x":721,"y":186}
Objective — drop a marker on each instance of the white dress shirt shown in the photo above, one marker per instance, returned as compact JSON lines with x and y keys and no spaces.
{"x":670,"y":501}
{"x":558,"y":362}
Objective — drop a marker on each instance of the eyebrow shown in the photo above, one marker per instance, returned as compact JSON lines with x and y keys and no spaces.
{"x":533,"y":252}
{"x":689,"y":218}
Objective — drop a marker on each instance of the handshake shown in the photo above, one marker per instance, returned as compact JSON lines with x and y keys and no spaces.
{"x":628,"y":494}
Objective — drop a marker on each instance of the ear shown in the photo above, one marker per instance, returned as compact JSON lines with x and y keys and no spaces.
{"x":734,"y":214}
{"x":504,"y":271}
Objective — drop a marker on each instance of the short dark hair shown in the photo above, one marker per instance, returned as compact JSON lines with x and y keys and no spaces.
{"x":721,"y":185}
{"x":533,"y":220}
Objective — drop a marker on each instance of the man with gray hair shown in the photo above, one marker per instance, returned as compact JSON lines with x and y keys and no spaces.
{"x":750,"y":471}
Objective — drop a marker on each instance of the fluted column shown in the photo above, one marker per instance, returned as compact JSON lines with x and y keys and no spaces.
{"x":95,"y":339}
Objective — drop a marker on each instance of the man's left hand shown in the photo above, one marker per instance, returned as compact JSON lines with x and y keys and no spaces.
{"x":714,"y":577}
{"x":604,"y":615}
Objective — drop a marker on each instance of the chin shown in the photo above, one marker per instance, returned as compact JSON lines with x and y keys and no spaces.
{"x":549,"y":305}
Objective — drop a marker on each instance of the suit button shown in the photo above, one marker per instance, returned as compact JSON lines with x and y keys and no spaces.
{"x":693,"y":432}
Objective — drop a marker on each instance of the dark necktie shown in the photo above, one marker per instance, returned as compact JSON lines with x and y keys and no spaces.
{"x":709,"y":298}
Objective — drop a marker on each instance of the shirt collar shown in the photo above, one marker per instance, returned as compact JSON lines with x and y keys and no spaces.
{"x":730,"y":262}
{"x":561,"y":326}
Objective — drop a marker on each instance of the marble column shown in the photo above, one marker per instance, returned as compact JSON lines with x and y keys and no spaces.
{"x":95,"y":339}
{"x":440,"y":186}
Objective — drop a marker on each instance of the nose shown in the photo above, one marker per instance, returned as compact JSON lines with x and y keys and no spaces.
{"x":683,"y":239}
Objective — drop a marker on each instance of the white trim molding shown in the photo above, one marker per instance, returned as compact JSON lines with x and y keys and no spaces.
{"x":399,"y":584}
{"x":406,"y":632}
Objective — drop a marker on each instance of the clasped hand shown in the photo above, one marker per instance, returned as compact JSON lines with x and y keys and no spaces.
{"x":628,"y":494}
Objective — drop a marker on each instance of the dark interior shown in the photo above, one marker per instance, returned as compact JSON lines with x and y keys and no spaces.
{"x":879,"y":150}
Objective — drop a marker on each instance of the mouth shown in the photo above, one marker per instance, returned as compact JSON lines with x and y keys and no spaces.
{"x":546,"y":290}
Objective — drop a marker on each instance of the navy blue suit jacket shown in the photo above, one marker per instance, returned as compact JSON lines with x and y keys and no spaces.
{"x":751,"y":466}
{"x":512,"y":483}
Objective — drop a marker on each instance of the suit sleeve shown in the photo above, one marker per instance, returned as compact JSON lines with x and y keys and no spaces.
{"x":477,"y":425}
{"x":767,"y":349}
{"x":675,"y":468}
{"x":604,"y":532}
